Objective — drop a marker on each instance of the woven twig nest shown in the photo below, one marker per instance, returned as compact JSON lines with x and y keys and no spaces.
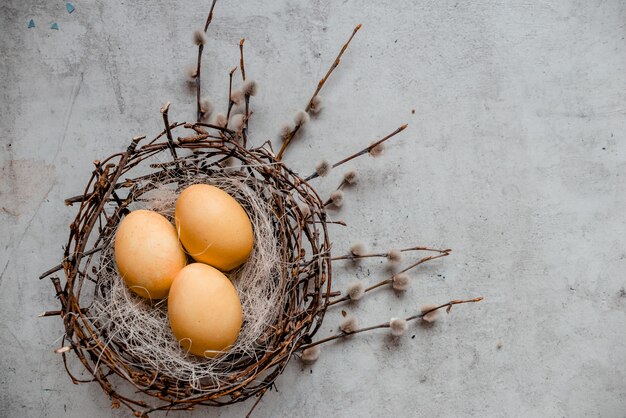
{"x":303,"y":276}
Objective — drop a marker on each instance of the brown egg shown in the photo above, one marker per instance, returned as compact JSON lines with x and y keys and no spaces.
{"x":204,"y":310}
{"x":213,"y":227}
{"x":148,"y":254}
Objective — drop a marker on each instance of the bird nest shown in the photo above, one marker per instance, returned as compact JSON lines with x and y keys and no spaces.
{"x":115,"y":333}
{"x":124,"y":343}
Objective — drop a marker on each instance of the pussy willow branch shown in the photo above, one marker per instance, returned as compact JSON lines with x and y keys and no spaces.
{"x":355,"y":257}
{"x":343,"y":183}
{"x":320,"y":84}
{"x":342,"y":334}
{"x":199,"y":66}
{"x":363,"y":151}
{"x":390,"y":280}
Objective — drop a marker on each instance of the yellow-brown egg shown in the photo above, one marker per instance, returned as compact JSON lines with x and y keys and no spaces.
{"x":148,"y":254}
{"x":204,"y":310}
{"x":213,"y":227}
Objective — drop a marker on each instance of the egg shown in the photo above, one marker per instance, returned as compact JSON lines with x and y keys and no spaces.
{"x":148,"y":254}
{"x":204,"y":310}
{"x":213,"y":227}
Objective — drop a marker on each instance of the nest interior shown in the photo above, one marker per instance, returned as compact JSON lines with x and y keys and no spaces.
{"x":299,"y":285}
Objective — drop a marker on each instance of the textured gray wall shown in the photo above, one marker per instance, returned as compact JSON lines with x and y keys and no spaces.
{"x":515,"y":158}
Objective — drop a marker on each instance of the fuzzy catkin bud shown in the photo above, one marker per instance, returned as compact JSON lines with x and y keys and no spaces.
{"x":236,"y":122}
{"x":237,"y":97}
{"x":350,"y":177}
{"x":357,"y":249}
{"x":309,"y":355}
{"x":430,"y":317}
{"x":336,"y":198}
{"x":377,"y":151}
{"x":323,"y":168}
{"x":316,"y":105}
{"x":199,"y":37}
{"x":249,"y":87}
{"x":285,"y":131}
{"x":394,"y":256}
{"x":398,"y":326}
{"x":349,"y":325}
{"x":356,"y":290}
{"x":206,"y":107}
{"x":220,"y":120}
{"x":191,"y":73}
{"x":301,"y":118}
{"x":400,"y":281}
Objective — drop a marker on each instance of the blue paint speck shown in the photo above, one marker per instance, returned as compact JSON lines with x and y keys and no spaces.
{"x":70,"y":7}
{"x":55,"y":26}
{"x":31,"y":24}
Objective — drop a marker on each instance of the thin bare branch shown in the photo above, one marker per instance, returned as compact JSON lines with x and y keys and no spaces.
{"x":199,"y":66}
{"x":386,"y":254}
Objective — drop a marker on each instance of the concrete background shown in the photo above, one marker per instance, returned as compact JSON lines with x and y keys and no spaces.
{"x":515,"y":158}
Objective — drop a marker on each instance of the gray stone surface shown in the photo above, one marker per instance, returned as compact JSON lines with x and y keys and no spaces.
{"x":515,"y":158}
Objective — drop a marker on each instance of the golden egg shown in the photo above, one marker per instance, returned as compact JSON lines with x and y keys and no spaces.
{"x":204,"y":310}
{"x":213,"y":227}
{"x":148,"y":254}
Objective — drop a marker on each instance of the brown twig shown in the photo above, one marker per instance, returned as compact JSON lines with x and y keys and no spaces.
{"x":170,"y":140}
{"x":56,"y":313}
{"x":241,"y":64}
{"x":230,"y":92}
{"x":448,"y":307}
{"x":331,"y":294}
{"x":244,"y":131}
{"x":320,"y":84}
{"x":199,"y":66}
{"x":363,"y":151}
{"x":342,"y":223}
{"x":255,"y":404}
